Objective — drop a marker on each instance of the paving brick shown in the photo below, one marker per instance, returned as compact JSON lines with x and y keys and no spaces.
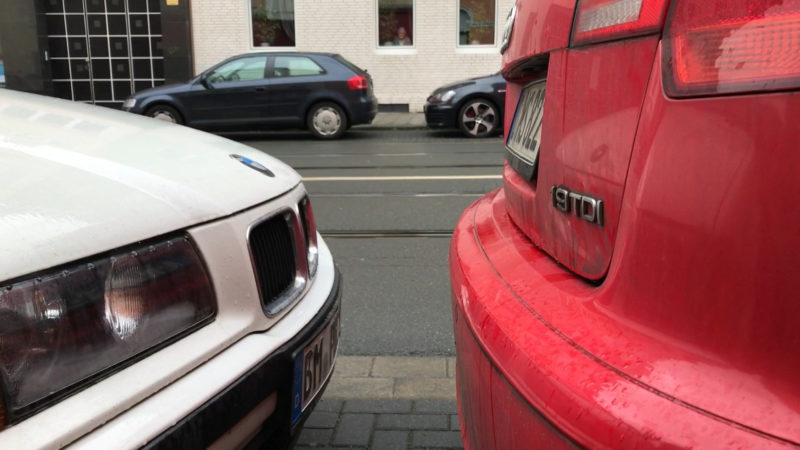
{"x":454,"y":423}
{"x":425,"y":388}
{"x":436,"y":439}
{"x":378,"y":406}
{"x":435,"y":406}
{"x":405,"y":367}
{"x":329,"y":405}
{"x":413,"y":422}
{"x":322,"y":419}
{"x":353,"y":366}
{"x":354,"y":429}
{"x":451,"y":367}
{"x":314,"y":436}
{"x":360,"y":388}
{"x":390,"y":440}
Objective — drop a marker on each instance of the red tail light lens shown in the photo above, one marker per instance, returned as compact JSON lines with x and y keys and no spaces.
{"x":605,"y":20}
{"x":723,"y":46}
{"x":357,"y":83}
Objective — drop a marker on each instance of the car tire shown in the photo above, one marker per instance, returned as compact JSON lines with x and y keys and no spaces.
{"x":165,"y":113}
{"x":478,"y":118}
{"x":326,"y":120}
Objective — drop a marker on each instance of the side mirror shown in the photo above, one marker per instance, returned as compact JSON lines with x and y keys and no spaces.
{"x":204,"y":80}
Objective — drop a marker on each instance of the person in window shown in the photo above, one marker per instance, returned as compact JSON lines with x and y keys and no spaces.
{"x":401,"y":38}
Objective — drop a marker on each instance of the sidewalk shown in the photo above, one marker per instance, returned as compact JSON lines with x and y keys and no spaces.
{"x":386,"y":402}
{"x":395,"y":121}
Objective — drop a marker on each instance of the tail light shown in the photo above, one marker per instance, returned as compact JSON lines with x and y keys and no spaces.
{"x":605,"y":20}
{"x":357,"y":83}
{"x":723,"y":46}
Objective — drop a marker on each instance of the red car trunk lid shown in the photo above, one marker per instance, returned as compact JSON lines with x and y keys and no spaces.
{"x":570,"y":208}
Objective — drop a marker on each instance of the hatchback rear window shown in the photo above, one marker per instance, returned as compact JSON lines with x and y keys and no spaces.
{"x":294,"y":66}
{"x":349,"y":65}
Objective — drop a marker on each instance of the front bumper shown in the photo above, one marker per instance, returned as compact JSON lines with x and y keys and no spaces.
{"x":440,"y":115}
{"x":272,"y":375}
{"x":221,"y":420}
{"x":217,"y":364}
{"x":523,"y":383}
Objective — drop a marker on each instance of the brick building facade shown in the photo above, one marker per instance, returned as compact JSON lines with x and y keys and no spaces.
{"x":403,"y":75}
{"x":99,"y":51}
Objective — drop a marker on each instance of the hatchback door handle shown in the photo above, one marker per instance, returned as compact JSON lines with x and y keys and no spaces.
{"x":259,"y":89}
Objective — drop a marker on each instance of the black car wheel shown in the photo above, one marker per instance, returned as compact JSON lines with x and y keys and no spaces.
{"x":478,"y":118}
{"x":326,"y":120}
{"x":165,"y":113}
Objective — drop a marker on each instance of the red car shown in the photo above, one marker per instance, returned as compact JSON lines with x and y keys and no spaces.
{"x":634,"y":284}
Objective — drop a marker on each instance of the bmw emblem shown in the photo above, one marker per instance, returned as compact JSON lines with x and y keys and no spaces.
{"x":253,"y":165}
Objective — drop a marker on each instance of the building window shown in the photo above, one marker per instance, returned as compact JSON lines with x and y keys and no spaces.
{"x":476,"y":22}
{"x":273,"y":23}
{"x":395,"y":22}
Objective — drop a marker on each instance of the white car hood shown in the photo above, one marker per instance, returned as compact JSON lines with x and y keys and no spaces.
{"x":78,"y":180}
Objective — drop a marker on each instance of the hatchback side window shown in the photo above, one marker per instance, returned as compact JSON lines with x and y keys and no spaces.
{"x":243,"y":69}
{"x":295,"y":66}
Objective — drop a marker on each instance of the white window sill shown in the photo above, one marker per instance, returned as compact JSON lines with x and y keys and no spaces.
{"x":395,"y":50}
{"x":478,"y":50}
{"x":269,"y":48}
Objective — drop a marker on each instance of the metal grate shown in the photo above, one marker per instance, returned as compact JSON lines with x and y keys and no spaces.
{"x":100,"y":51}
{"x":272,"y":245}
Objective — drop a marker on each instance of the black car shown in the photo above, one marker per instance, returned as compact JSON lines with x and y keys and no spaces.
{"x":320,"y":91}
{"x":475,"y":106}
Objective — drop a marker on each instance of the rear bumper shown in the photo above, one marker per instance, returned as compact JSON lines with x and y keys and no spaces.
{"x":364,"y":111}
{"x":520,"y":381}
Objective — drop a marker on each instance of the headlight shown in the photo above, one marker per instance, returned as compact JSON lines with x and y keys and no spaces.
{"x":442,"y":97}
{"x":63,"y":328}
{"x":447,"y":96}
{"x":129,"y":103}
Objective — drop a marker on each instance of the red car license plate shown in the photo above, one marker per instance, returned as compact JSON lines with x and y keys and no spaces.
{"x":525,"y":135}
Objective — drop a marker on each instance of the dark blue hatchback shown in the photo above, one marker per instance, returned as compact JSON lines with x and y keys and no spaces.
{"x":322,"y":92}
{"x":475,"y":106}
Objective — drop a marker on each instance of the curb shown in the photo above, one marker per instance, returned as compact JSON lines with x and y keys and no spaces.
{"x":392,"y":128}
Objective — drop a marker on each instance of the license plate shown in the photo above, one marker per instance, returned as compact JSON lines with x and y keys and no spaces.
{"x":313,"y":366}
{"x":525,"y":135}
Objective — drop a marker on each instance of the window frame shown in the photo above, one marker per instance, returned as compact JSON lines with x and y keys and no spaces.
{"x":395,"y":49}
{"x":206,"y":74}
{"x":482,"y":48}
{"x":273,"y":59}
{"x":267,"y":48}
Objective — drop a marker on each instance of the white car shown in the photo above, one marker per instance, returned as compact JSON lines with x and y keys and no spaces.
{"x":159,"y":286}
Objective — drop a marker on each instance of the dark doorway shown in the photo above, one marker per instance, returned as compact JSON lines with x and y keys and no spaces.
{"x":100,"y":51}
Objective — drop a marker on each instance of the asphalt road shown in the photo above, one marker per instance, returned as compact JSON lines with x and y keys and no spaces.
{"x":386,"y":203}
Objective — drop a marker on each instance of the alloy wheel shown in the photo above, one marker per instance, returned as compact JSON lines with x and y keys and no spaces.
{"x":478,"y":119}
